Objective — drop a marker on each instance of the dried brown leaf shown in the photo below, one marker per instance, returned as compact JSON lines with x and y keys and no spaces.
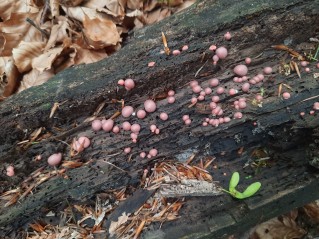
{"x":115,"y":225}
{"x":9,"y":77}
{"x":59,"y":32}
{"x":45,"y":61}
{"x":312,"y":211}
{"x":25,"y":53}
{"x":100,"y":33}
{"x":278,"y":228}
{"x":34,"y":78}
{"x":17,"y":29}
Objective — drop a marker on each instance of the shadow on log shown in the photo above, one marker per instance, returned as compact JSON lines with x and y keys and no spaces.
{"x":288,"y":181}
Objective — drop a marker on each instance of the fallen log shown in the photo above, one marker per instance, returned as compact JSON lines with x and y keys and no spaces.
{"x":274,"y":126}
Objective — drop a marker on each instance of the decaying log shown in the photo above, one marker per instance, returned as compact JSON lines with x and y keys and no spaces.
{"x":288,"y":181}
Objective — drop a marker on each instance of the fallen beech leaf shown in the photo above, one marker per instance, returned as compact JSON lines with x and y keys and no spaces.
{"x":34,"y":78}
{"x":59,"y":32}
{"x":44,"y":61}
{"x":24,"y":54}
{"x":156,"y":16}
{"x":87,"y":56}
{"x":114,"y":225}
{"x":12,"y":6}
{"x":134,"y":4}
{"x":115,"y":8}
{"x":17,"y":29}
{"x":9,"y":77}
{"x":312,"y":211}
{"x":54,"y":6}
{"x":100,"y":32}
{"x":278,"y":228}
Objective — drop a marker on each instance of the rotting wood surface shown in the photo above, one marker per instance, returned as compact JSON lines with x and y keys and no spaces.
{"x":287,"y":182}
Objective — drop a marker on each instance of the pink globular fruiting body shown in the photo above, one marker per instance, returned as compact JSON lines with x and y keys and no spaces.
{"x":129,"y":84}
{"x":286,"y":95}
{"x":55,"y":159}
{"x":127,"y":111}
{"x":196,"y":89}
{"x":10,"y":171}
{"x":316,"y":106}
{"x":212,"y":48}
{"x":108,"y":125}
{"x":232,"y":91}
{"x":227,"y":36}
{"x":220,"y":90}
{"x":153,"y":128}
{"x":208,"y":90}
{"x":221,"y":52}
{"x":171,"y":93}
{"x":163,"y":116}
{"x":176,"y":52}
{"x":135,"y":128}
{"x":241,"y":70}
{"x":188,"y":121}
{"x":259,"y":98}
{"x":215,"y":58}
{"x":267,"y":70}
{"x":153,"y":152}
{"x":248,"y":60}
{"x":141,"y":114}
{"x":142,"y":154}
{"x":127,"y":150}
{"x":215,"y":98}
{"x":304,"y":63}
{"x":149,"y":106}
{"x":201,"y":98}
{"x":126,"y":126}
{"x":96,"y":125}
{"x":238,"y":115}
{"x":151,"y":64}
{"x":311,"y":112}
{"x":185,"y":117}
{"x":193,"y":83}
{"x":245,"y":87}
{"x":121,"y":82}
{"x":242,"y":104}
{"x":307,"y":69}
{"x":185,"y":48}
{"x":194,"y":100}
{"x":116,"y":129}
{"x":171,"y":99}
{"x":84,"y":141}
{"x":214,"y":82}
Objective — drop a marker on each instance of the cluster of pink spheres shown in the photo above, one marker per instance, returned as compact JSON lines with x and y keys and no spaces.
{"x":214,"y":91}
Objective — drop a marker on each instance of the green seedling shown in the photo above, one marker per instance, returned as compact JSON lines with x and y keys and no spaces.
{"x":250,"y":190}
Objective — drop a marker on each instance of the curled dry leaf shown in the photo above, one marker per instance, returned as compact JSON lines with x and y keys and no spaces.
{"x":278,"y":228}
{"x":115,"y":8}
{"x":24,"y":54}
{"x":59,"y":32}
{"x":44,"y":61}
{"x":9,"y":77}
{"x":312,"y":211}
{"x":114,"y":225}
{"x":12,"y":6}
{"x":34,"y":78}
{"x":100,"y":32}
{"x":17,"y":29}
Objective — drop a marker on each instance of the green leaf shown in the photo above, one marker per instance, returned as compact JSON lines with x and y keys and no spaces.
{"x":233,"y":181}
{"x":251,"y":189}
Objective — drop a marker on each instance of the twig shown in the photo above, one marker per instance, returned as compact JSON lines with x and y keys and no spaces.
{"x":43,"y":32}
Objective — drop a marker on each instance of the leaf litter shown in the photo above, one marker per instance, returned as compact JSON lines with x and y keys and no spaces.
{"x":41,"y":38}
